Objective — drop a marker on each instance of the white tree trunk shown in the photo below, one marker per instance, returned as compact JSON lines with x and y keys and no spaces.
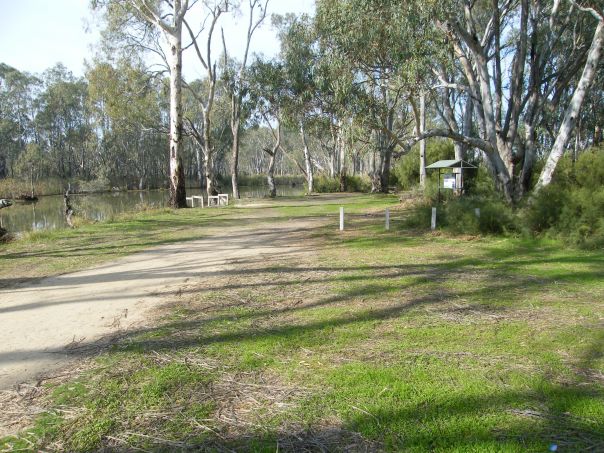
{"x":307,"y":160}
{"x":422,"y":143}
{"x":572,"y":111}
{"x":177,"y":183}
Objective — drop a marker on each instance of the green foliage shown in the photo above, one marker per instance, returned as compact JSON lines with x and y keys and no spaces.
{"x":407,"y":168}
{"x":496,"y":217}
{"x":13,"y":187}
{"x":458,"y":216}
{"x":326,"y":184}
{"x":358,"y":184}
{"x":572,"y":206}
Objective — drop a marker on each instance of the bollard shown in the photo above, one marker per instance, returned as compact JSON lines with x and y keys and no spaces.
{"x":341,"y":218}
{"x":433,"y":223}
{"x":387,"y":218}
{"x":477,"y":212}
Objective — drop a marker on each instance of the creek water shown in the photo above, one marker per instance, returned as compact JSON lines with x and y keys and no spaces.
{"x":47,"y":212}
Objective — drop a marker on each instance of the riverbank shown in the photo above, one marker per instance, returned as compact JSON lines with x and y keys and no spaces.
{"x":362,"y":340}
{"x":48,"y":212}
{"x":13,"y":188}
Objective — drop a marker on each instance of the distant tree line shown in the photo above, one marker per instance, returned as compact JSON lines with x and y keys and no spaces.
{"x":107,"y":128}
{"x":513,"y":84}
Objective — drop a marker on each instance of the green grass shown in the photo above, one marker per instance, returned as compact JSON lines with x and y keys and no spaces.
{"x":399,"y":340}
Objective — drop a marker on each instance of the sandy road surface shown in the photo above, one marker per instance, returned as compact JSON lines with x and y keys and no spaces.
{"x":44,"y":324}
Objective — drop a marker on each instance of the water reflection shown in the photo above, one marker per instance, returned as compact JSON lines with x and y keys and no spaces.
{"x":47,"y":213}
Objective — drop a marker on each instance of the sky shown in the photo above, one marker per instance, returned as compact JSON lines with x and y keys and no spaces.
{"x":37,"y":34}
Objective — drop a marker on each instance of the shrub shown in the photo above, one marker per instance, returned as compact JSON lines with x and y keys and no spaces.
{"x":572,"y":206}
{"x":326,"y":184}
{"x":407,"y":168}
{"x":545,"y":208}
{"x":358,"y":183}
{"x":458,"y":216}
{"x":496,"y":217}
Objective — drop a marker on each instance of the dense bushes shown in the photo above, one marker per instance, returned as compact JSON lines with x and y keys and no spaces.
{"x":459,"y":216}
{"x":571,"y":208}
{"x":407,"y":168}
{"x":326,"y":184}
{"x":15,"y":187}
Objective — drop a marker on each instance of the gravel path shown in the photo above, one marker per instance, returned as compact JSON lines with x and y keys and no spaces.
{"x":47,"y":324}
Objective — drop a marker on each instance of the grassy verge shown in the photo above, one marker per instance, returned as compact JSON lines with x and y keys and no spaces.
{"x":41,"y":254}
{"x":46,"y":253}
{"x":371,"y":340}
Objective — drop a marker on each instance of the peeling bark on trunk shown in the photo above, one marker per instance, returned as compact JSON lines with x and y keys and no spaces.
{"x":208,"y":150}
{"x":68,"y":209}
{"x":199,"y":167}
{"x":270,"y":175}
{"x":420,"y":127}
{"x":178,"y":197}
{"x":209,"y":174}
{"x":341,"y":149}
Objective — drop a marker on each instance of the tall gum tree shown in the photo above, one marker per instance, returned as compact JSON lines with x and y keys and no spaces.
{"x":543,"y":45}
{"x":384,"y":44}
{"x":168,"y":18}
{"x":206,"y":95}
{"x":572,"y":111}
{"x":299,"y":62}
{"x":236,"y":85}
{"x":268,"y":91}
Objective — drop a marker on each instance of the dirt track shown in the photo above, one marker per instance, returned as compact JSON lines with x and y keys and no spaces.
{"x":49,"y":323}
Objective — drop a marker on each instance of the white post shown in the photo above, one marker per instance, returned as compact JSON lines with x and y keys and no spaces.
{"x":477,"y":212}
{"x":433,"y":223}
{"x":387,"y":218}
{"x":341,"y":218}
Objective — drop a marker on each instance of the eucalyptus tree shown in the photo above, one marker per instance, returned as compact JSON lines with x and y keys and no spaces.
{"x":206,"y":91}
{"x":140,"y":21}
{"x":583,"y":85}
{"x":384,"y":44}
{"x":126,"y":109}
{"x":18,"y":108}
{"x":32,"y":164}
{"x":518,"y":59}
{"x":61,"y":122}
{"x":268,"y":92}
{"x":236,"y":83}
{"x":299,"y":59}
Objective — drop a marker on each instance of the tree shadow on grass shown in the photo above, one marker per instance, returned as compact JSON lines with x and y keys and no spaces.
{"x":507,"y":418}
